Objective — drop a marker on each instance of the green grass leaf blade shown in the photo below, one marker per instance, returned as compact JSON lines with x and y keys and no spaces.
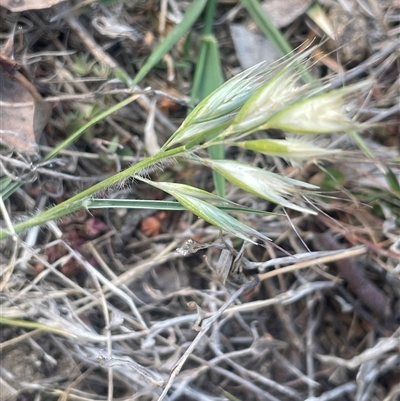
{"x":359,"y":141}
{"x":26,"y":324}
{"x":217,"y":152}
{"x":191,"y":15}
{"x":133,"y":204}
{"x":160,"y":205}
{"x":267,"y":26}
{"x":208,"y":77}
{"x":272,"y":32}
{"x":72,"y":138}
{"x":8,"y":187}
{"x":392,"y":180}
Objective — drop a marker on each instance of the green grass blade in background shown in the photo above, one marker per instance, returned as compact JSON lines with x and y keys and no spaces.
{"x":27,"y":324}
{"x":208,"y":77}
{"x":8,"y":187}
{"x":191,"y":15}
{"x":72,"y":138}
{"x":392,"y":180}
{"x":263,"y":21}
{"x":359,"y":141}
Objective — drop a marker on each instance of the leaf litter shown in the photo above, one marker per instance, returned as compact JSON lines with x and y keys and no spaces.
{"x":92,"y":307}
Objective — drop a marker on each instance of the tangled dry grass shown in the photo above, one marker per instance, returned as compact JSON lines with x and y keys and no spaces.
{"x":100,"y":305}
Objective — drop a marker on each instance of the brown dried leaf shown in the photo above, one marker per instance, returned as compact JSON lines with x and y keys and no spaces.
{"x":24,"y":5}
{"x":23,"y":112}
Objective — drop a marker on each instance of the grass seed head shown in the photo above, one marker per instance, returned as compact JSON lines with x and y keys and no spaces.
{"x":321,"y":113}
{"x":262,"y":183}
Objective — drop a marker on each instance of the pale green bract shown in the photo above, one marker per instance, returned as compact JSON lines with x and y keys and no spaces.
{"x":187,"y":190}
{"x":224,"y":103}
{"x":197,"y":201}
{"x":261,"y":182}
{"x":323,"y":113}
{"x":291,"y":149}
{"x":221,"y":105}
{"x":218,"y":218}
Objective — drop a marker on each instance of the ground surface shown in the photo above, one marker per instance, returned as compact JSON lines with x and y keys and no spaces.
{"x":108,"y":283}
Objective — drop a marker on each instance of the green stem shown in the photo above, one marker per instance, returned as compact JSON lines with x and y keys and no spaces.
{"x":78,"y":201}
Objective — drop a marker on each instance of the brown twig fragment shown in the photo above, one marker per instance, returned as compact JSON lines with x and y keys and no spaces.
{"x":367,"y":292}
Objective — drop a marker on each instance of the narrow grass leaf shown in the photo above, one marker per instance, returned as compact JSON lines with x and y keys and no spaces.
{"x":208,"y":77}
{"x":8,"y":187}
{"x":263,"y":21}
{"x":13,"y":186}
{"x":217,"y":152}
{"x":359,"y":141}
{"x":27,"y":324}
{"x":191,"y":15}
{"x":212,"y":78}
{"x":73,"y":137}
{"x":392,"y":180}
{"x":160,"y":205}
